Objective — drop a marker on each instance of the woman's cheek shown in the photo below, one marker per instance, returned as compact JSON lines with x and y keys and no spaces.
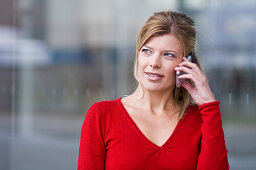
{"x":172,"y":73}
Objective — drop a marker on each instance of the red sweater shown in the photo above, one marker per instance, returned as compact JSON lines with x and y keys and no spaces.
{"x":111,"y":140}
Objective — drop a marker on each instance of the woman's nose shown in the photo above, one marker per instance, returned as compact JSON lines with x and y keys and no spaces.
{"x":155,"y":61}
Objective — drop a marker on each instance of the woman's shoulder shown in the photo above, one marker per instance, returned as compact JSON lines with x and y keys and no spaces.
{"x":105,"y":105}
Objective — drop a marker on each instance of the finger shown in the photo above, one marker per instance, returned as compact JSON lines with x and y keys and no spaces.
{"x":184,"y":58}
{"x":187,"y":86}
{"x":190,"y":77}
{"x":193,"y":66}
{"x":187,"y":64}
{"x":188,"y":71}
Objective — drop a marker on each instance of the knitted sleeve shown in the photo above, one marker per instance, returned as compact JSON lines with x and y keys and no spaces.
{"x":92,"y":146}
{"x":213,"y":152}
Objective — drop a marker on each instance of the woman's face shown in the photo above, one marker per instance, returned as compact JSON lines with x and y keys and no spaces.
{"x":159,"y":56}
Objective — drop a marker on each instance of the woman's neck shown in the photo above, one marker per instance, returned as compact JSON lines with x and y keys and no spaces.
{"x":156,"y":102}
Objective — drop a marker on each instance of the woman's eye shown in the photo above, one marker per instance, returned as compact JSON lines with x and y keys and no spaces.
{"x":145,"y":51}
{"x":169,"y":55}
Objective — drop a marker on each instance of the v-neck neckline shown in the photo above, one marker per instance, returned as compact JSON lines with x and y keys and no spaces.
{"x":177,"y":127}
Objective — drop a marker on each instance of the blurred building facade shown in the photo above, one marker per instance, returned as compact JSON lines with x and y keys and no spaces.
{"x":58,"y":57}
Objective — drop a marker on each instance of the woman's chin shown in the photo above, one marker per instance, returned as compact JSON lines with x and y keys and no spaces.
{"x":153,"y":90}
{"x":156,"y":88}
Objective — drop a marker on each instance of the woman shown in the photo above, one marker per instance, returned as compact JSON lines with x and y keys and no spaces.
{"x":159,"y":126}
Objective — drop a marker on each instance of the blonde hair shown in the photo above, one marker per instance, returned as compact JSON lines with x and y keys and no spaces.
{"x":180,"y":25}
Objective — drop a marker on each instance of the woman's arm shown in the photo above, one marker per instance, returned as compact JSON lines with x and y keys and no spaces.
{"x":92,"y":146}
{"x":213,"y":153}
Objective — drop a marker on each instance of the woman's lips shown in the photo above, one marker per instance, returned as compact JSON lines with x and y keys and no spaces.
{"x":154,"y":76}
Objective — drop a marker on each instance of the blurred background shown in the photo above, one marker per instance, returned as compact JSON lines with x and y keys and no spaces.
{"x":58,"y":57}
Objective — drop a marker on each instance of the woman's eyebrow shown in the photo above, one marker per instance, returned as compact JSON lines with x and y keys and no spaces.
{"x":170,"y":51}
{"x":147,"y":47}
{"x":162,"y":51}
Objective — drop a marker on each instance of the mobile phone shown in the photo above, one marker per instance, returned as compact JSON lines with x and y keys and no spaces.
{"x":179,"y":82}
